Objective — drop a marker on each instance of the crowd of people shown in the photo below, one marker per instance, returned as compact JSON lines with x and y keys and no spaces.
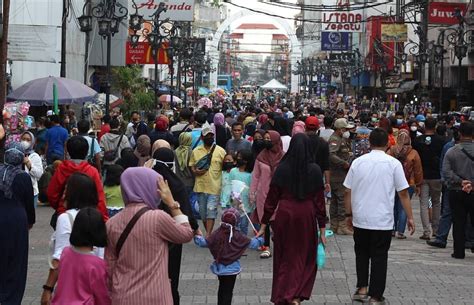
{"x":127,"y":198}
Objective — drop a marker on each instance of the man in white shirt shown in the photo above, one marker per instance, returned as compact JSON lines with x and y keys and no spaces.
{"x":371,"y":184}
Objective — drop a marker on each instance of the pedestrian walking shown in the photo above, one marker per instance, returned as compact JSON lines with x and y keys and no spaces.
{"x":137,"y":257}
{"x":17,"y":214}
{"x":371,"y":184}
{"x":294,"y":195}
{"x":458,"y":168}
{"x":227,"y":244}
{"x":56,"y":138}
{"x":32,"y":163}
{"x":82,"y":277}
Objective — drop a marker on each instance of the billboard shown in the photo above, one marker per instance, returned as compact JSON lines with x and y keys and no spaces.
{"x":176,"y":10}
{"x":342,"y":21}
{"x":142,"y":54}
{"x":335,"y":41}
{"x":394,"y":32}
{"x":443,"y":12}
{"x":32,"y":43}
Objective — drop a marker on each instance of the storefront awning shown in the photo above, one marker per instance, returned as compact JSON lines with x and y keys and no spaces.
{"x":404,"y":87}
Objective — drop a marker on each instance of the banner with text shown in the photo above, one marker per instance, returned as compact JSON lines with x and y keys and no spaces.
{"x":176,"y":10}
{"x":142,"y":54}
{"x":335,"y":41}
{"x":443,"y":12}
{"x":32,"y":43}
{"x":394,"y":32}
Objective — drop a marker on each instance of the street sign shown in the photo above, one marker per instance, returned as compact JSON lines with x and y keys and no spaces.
{"x":443,"y":12}
{"x":32,"y":43}
{"x":142,"y":54}
{"x":198,"y":45}
{"x":335,"y":41}
{"x":176,"y":10}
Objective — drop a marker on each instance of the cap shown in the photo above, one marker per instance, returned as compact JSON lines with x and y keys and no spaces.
{"x":420,"y":118}
{"x":206,"y":130}
{"x":342,"y":123}
{"x":311,"y":123}
{"x":49,"y":113}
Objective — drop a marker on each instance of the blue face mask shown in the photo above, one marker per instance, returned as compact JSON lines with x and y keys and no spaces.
{"x":399,"y":122}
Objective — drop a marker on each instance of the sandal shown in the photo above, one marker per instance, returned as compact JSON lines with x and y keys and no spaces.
{"x":377,"y":301}
{"x":401,"y":236}
{"x":266,"y":253}
{"x":361,"y":297}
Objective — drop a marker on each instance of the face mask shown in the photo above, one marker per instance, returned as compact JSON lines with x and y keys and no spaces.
{"x":258,"y":144}
{"x":25,"y":144}
{"x":413,"y":128}
{"x":375,"y":120}
{"x":240,"y":162}
{"x":268,"y":144}
{"x":399,"y":122}
{"x":170,"y":165}
{"x":422,"y":124}
{"x":227,"y":165}
{"x":208,"y":141}
{"x":346,"y":134}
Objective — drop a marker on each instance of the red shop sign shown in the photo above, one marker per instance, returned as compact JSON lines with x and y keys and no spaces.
{"x":142,"y":54}
{"x":443,"y":12}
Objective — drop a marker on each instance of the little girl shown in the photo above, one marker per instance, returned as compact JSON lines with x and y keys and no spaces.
{"x":113,"y":193}
{"x":226,"y":189}
{"x":82,"y":275}
{"x":239,"y":174}
{"x":227,"y":245}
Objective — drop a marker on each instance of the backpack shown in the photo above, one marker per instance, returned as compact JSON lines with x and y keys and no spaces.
{"x":176,"y":134}
{"x":111,"y":155}
{"x":361,"y":145}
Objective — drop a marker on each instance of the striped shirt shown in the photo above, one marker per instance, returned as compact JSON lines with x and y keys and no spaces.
{"x":140,"y":274}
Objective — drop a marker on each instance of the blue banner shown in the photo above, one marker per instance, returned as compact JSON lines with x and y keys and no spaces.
{"x":335,"y":41}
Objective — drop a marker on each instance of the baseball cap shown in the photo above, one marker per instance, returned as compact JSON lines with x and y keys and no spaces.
{"x":206,"y":130}
{"x":49,"y":113}
{"x":342,"y":123}
{"x":311,"y":123}
{"x":420,"y":118}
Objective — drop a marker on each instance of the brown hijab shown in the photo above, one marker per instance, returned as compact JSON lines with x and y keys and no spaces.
{"x":142,"y":151}
{"x":272,"y":156}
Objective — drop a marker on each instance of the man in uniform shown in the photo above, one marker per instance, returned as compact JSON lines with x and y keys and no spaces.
{"x":339,"y":162}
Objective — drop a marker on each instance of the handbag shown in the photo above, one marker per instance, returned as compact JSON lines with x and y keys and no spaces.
{"x":205,"y":162}
{"x":111,"y":155}
{"x":128,"y":229}
{"x":91,"y":156}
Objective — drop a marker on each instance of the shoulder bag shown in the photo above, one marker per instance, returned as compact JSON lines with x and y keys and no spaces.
{"x":128,"y":229}
{"x":111,"y":155}
{"x":205,"y":162}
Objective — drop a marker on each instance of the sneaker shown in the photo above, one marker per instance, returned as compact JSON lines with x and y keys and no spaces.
{"x":360,"y":297}
{"x":400,"y":236}
{"x":457,"y":257}
{"x":436,"y":244}
{"x":425,"y":237}
{"x":377,"y":301}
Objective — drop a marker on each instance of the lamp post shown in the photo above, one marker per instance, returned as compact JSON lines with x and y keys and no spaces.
{"x":109,"y":14}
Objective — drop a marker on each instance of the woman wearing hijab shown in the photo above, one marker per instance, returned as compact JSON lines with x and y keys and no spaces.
{"x":264,"y":168}
{"x":127,"y":158}
{"x":32,"y":163}
{"x":156,"y":145}
{"x":161,"y":130}
{"x":258,"y":143}
{"x":138,"y":271}
{"x":221,"y":131}
{"x":183,"y":154}
{"x":413,"y":170}
{"x":164,"y":163}
{"x":282,"y":127}
{"x":294,"y":190}
{"x":142,"y":150}
{"x":17,"y":214}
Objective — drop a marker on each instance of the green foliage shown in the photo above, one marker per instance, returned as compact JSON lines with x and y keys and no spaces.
{"x":133,"y":88}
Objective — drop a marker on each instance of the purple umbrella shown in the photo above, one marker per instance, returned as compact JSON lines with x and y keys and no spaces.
{"x":39,"y":92}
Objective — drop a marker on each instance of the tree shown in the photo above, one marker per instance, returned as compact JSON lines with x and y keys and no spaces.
{"x":133,"y":88}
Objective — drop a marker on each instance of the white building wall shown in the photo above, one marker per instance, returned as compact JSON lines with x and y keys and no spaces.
{"x":49,"y":12}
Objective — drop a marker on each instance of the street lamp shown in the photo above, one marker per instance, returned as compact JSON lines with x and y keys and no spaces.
{"x":109,"y":14}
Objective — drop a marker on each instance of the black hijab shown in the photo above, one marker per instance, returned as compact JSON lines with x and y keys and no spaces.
{"x":297,"y":170}
{"x":127,"y":158}
{"x":281,"y":126}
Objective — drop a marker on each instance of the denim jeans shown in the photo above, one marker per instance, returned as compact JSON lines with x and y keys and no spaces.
{"x":207,"y":205}
{"x":446,"y":221}
{"x":400,"y":216}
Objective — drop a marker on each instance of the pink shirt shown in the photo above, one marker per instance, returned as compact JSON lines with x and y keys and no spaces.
{"x":140,"y":274}
{"x":82,"y":279}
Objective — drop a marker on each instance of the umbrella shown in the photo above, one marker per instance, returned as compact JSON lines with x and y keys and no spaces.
{"x":204,"y":102}
{"x":166,"y":98}
{"x":40,"y":92}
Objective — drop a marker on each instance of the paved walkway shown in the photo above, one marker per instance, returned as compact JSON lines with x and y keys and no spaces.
{"x":417,"y":274}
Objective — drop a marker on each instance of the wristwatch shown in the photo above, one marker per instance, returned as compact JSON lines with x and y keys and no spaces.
{"x":48,"y":288}
{"x":176,"y":206}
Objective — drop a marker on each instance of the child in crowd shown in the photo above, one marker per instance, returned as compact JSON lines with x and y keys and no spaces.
{"x":226,"y":189}
{"x":242,"y":176}
{"x":82,"y":275}
{"x":227,"y":245}
{"x":113,"y":193}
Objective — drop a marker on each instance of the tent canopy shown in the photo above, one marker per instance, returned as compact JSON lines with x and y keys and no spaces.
{"x":274,"y":84}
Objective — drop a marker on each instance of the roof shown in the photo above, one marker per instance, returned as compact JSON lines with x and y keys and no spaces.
{"x":236,"y":36}
{"x":279,"y":37}
{"x":274,"y":84}
{"x":257,"y":26}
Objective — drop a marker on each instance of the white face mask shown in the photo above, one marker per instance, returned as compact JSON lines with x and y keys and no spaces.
{"x":346,"y":134}
{"x":413,"y":128}
{"x":25,"y":144}
{"x":422,"y":124}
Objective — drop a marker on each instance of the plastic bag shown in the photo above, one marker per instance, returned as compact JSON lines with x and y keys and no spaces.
{"x":321,"y":251}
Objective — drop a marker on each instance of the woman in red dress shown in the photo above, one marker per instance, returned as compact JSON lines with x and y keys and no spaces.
{"x":294,"y":190}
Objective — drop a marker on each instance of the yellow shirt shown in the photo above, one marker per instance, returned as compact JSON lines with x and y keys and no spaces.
{"x":210,"y":182}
